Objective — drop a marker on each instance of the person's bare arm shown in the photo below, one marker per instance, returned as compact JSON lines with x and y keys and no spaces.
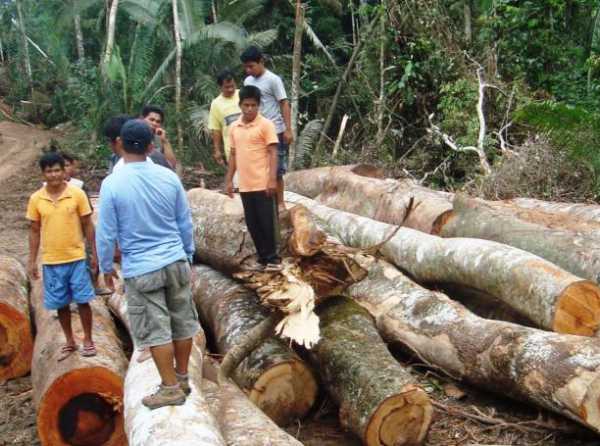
{"x":34,"y":247}
{"x":286,"y":112}
{"x":168,"y":151}
{"x":90,"y":236}
{"x":217,"y":139}
{"x":232,"y":167}
{"x":272,"y":183}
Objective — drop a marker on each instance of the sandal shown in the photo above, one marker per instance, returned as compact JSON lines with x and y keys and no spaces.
{"x":102,"y":291}
{"x":66,"y":351}
{"x":88,"y":350}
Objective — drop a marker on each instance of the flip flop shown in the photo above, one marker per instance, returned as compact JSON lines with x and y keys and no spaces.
{"x":88,"y":350}
{"x":66,"y":351}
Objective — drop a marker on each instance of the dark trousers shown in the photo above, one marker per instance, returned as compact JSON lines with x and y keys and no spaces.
{"x":260,"y":212}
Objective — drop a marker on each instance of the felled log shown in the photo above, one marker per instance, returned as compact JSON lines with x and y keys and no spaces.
{"x":273,"y":376}
{"x":590,"y":212}
{"x":16,"y":341}
{"x":297,"y":182}
{"x":558,"y":372}
{"x":378,"y":398}
{"x":191,"y":423}
{"x":379,"y":199}
{"x":242,"y":423}
{"x":78,"y":400}
{"x":549,"y":296}
{"x":572,"y":250}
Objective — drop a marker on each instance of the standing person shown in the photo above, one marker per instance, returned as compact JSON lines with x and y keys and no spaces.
{"x":224,"y":111}
{"x":144,"y":207}
{"x":253,"y":144}
{"x":163,"y":153}
{"x":112,"y":131}
{"x":71,"y":170}
{"x":60,"y":216}
{"x":274,"y":106}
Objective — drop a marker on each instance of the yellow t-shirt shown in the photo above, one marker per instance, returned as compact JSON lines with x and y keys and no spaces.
{"x":61,"y":231}
{"x":224,"y":112}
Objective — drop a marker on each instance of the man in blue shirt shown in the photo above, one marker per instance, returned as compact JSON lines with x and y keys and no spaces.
{"x":144,"y":208}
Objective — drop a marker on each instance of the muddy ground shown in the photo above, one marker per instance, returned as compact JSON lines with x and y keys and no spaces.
{"x":463,"y":416}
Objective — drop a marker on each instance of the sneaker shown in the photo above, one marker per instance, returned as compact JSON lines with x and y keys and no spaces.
{"x":164,"y":396}
{"x":184,"y":383}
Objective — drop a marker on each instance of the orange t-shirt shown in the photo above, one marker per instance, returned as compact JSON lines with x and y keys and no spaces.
{"x":251,"y":142}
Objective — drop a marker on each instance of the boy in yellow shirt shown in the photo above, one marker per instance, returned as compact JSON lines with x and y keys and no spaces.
{"x":60,"y":215}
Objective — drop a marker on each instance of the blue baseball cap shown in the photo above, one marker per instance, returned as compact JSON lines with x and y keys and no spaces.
{"x":136,"y":135}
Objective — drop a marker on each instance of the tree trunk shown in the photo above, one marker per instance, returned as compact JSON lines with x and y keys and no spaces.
{"x":275,"y":378}
{"x":16,"y":341}
{"x":110,"y":32}
{"x":551,"y":297}
{"x":558,"y":372}
{"x":381,"y":100}
{"x":24,"y":45}
{"x":242,"y":423}
{"x":580,"y":210}
{"x":378,"y":398}
{"x":178,"y":58}
{"x":468,"y":14}
{"x":192,"y":423}
{"x":78,"y":400}
{"x":296,"y":73}
{"x":576,"y":252}
{"x":79,"y":37}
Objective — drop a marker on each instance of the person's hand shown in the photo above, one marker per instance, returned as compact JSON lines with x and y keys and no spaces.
{"x":161,"y":133}
{"x":33,"y":271}
{"x":218,"y":157}
{"x":109,"y":280}
{"x":288,"y":138}
{"x":229,"y":188}
{"x":271,"y":188}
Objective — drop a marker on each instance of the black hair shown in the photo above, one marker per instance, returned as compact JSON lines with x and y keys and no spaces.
{"x":249,"y":92}
{"x":252,"y":54}
{"x":153,"y":109}
{"x":225,"y":75}
{"x":112,"y":128}
{"x":68,"y":157}
{"x":51,"y":159}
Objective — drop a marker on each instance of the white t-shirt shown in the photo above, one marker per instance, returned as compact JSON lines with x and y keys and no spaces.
{"x":121,"y":163}
{"x":272,"y":92}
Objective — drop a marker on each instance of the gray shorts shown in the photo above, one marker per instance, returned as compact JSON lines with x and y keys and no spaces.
{"x":160,"y":306}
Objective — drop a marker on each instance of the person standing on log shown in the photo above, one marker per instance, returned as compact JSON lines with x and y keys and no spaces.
{"x":162,"y":153}
{"x":274,"y":106}
{"x":60,"y":216}
{"x":144,"y":208}
{"x":253,"y":144}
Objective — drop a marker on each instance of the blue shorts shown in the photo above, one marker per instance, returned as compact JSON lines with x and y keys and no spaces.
{"x":67,"y":282}
{"x":282,"y":156}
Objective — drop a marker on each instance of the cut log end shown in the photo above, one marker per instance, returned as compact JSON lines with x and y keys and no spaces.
{"x":578,"y":310}
{"x":16,"y":343}
{"x":401,"y":420}
{"x":368,"y":170}
{"x":441,"y":221}
{"x":85,"y":404}
{"x":285,"y":392}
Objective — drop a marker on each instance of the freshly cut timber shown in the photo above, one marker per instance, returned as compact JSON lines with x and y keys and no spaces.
{"x":191,"y":423}
{"x":590,"y":212}
{"x":79,"y":400}
{"x":378,"y":398}
{"x":16,"y":341}
{"x":558,"y":372}
{"x":273,"y":376}
{"x":549,"y":296}
{"x":313,"y":186}
{"x":575,"y":251}
{"x":242,"y":423}
{"x":383,"y":200}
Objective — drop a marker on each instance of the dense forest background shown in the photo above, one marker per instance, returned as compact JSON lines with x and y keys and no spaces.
{"x":498,"y":97}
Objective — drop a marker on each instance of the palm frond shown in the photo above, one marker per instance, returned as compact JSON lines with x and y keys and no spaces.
{"x":262,"y":39}
{"x":143,"y":11}
{"x":317,"y":42}
{"x":199,"y":119}
{"x":306,"y":142}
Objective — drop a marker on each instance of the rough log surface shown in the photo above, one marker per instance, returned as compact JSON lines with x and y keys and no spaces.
{"x":583,"y":211}
{"x":78,"y":400}
{"x":554,"y":371}
{"x":378,"y":398}
{"x":549,"y":296}
{"x":575,"y":251}
{"x":273,"y":376}
{"x":16,"y":340}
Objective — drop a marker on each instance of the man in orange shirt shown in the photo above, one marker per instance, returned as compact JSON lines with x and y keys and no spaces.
{"x":60,"y":216}
{"x":253,"y":145}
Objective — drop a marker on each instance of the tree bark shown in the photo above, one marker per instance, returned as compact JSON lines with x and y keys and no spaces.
{"x":78,"y":400}
{"x":24,"y":45}
{"x":551,"y":297}
{"x":575,"y":251}
{"x":558,"y":372}
{"x":110,"y":32}
{"x":378,"y":398}
{"x":583,"y":211}
{"x":178,"y":59}
{"x":79,"y":37}
{"x":468,"y":14}
{"x":16,"y":341}
{"x":296,"y":73}
{"x":275,"y":378}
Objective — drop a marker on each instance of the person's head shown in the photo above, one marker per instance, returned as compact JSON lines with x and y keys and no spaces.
{"x":71,"y":165}
{"x":226,"y":81}
{"x":254,"y":61}
{"x":112,"y":130}
{"x":52,"y":166}
{"x":154,"y":116}
{"x":136,"y":137}
{"x":249,"y":102}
